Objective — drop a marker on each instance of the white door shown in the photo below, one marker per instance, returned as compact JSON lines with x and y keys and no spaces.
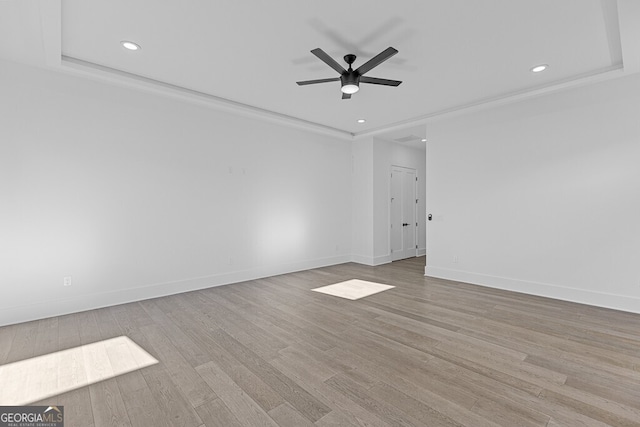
{"x":403,"y":213}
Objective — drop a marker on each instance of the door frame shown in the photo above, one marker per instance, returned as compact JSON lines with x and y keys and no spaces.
{"x":415,"y":212}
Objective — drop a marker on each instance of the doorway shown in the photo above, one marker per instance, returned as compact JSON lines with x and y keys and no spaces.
{"x":403,"y":205}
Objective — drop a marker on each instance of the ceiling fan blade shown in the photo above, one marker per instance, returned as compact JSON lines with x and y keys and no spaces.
{"x":377,"y":81}
{"x":312,"y":82}
{"x":346,"y":96}
{"x":376,"y":60}
{"x":328,"y":60}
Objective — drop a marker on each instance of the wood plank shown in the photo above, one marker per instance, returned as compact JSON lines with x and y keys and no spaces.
{"x":142,"y":407}
{"x":216,"y":414}
{"x":107,"y":404}
{"x":297,"y":396}
{"x":249,"y":382}
{"x":414,"y":408}
{"x":173,"y":404}
{"x":430,"y":381}
{"x":295,"y":356}
{"x":190,"y":350}
{"x":604,"y":384}
{"x":77,"y":408}
{"x":507,"y":414}
{"x":362,"y":398}
{"x":260,"y":341}
{"x":7,"y":333}
{"x":246,"y":410}
{"x":77,"y":403}
{"x":46,"y":339}
{"x":594,"y":407}
{"x":182,"y":373}
{"x":285,"y":416}
{"x":337,"y":418}
{"x":23,"y":343}
{"x":343,"y":409}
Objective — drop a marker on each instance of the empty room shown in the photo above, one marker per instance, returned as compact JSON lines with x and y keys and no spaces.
{"x":296,"y":213}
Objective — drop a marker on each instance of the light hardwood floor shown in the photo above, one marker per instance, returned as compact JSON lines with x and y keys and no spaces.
{"x":426,"y":353}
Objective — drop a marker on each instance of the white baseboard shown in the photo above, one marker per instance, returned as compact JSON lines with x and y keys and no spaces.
{"x":422,"y":252}
{"x":371,"y":261}
{"x":582,"y":296}
{"x":384,"y":259}
{"x":362,"y":259}
{"x":50,"y":308}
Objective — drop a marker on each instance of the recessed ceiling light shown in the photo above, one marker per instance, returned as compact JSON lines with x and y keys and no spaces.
{"x":361,"y":120}
{"x":424,"y":140}
{"x":130,"y":45}
{"x":539,"y":68}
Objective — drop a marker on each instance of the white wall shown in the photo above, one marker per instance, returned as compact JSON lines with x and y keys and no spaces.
{"x":542,"y":196}
{"x":135,"y":195}
{"x":362,"y":193}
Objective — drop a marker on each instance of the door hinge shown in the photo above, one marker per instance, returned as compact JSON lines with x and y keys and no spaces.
{"x":416,"y":246}
{"x":416,"y":224}
{"x":416,"y":178}
{"x":416,"y":200}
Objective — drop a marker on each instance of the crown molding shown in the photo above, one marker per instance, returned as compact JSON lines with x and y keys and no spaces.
{"x":133,"y":81}
{"x":488,"y":103}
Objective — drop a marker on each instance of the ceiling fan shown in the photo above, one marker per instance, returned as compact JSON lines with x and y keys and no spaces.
{"x":350,"y":79}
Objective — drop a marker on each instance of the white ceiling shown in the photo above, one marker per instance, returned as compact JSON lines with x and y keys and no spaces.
{"x":453,"y":54}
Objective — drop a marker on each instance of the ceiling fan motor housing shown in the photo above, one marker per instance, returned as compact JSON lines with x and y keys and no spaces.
{"x":350,"y":78}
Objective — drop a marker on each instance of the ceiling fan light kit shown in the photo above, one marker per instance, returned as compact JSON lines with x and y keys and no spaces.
{"x":350,"y":79}
{"x":350,"y":88}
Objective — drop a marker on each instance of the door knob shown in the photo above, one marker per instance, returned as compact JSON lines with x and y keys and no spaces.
{"x":405,"y":224}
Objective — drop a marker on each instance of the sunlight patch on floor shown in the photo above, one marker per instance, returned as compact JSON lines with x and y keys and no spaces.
{"x":32,"y":380}
{"x":353,"y":289}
